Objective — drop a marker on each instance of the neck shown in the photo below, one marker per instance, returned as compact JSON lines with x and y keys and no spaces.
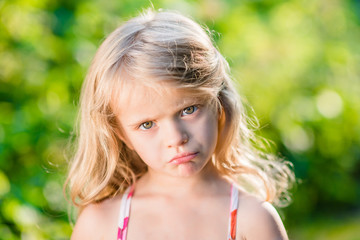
{"x":206,"y":182}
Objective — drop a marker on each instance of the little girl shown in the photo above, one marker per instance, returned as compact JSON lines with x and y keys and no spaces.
{"x":164,"y":148}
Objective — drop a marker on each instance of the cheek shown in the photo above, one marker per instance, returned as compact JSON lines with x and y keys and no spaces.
{"x":213,"y":133}
{"x":144,"y":146}
{"x":208,"y":130}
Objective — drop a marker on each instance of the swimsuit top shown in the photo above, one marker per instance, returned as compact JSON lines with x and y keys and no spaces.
{"x":125,"y":212}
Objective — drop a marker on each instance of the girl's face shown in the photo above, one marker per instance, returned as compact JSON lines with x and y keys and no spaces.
{"x":173,"y":133}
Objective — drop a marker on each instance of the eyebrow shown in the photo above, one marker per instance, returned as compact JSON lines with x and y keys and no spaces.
{"x":179,"y":106}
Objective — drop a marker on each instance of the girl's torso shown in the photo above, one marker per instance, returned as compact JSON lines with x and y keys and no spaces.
{"x":154,"y":217}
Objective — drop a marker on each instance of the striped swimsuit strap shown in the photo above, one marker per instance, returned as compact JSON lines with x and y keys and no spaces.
{"x":125,"y":213}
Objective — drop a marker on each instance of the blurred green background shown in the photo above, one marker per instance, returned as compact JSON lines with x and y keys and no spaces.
{"x":297,"y":63}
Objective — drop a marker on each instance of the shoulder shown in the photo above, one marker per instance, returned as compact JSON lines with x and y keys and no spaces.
{"x":258,"y":219}
{"x":98,"y":220}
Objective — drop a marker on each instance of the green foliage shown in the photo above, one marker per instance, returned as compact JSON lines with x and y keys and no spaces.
{"x":296,"y":63}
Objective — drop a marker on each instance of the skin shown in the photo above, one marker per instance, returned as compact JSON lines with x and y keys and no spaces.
{"x":172,"y":198}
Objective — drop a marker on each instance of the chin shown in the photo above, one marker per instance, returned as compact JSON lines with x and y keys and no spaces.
{"x":189,"y":169}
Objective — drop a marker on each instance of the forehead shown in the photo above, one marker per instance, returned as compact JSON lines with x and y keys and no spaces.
{"x":137,"y":94}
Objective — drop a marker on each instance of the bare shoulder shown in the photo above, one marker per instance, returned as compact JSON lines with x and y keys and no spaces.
{"x":98,"y":220}
{"x":258,"y":220}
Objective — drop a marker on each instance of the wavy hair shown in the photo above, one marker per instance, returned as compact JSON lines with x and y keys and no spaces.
{"x":165,"y":47}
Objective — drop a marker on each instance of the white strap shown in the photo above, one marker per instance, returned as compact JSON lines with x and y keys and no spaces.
{"x":124,"y":214}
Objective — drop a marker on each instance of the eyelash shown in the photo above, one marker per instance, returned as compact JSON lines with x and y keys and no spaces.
{"x":193,"y":107}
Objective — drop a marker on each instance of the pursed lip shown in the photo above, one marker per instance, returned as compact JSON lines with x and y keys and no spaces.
{"x":183,"y":157}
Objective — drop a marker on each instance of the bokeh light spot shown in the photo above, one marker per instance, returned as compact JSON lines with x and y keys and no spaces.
{"x":329,"y":103}
{"x":53,"y":194}
{"x":4,"y":184}
{"x":26,"y":215}
{"x":297,"y":139}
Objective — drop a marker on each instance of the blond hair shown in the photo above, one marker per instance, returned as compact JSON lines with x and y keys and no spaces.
{"x":172,"y":49}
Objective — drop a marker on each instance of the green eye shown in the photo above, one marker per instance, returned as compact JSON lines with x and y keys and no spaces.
{"x":146,"y":125}
{"x":189,"y":110}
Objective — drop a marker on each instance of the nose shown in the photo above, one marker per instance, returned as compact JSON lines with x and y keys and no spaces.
{"x":175,"y":134}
